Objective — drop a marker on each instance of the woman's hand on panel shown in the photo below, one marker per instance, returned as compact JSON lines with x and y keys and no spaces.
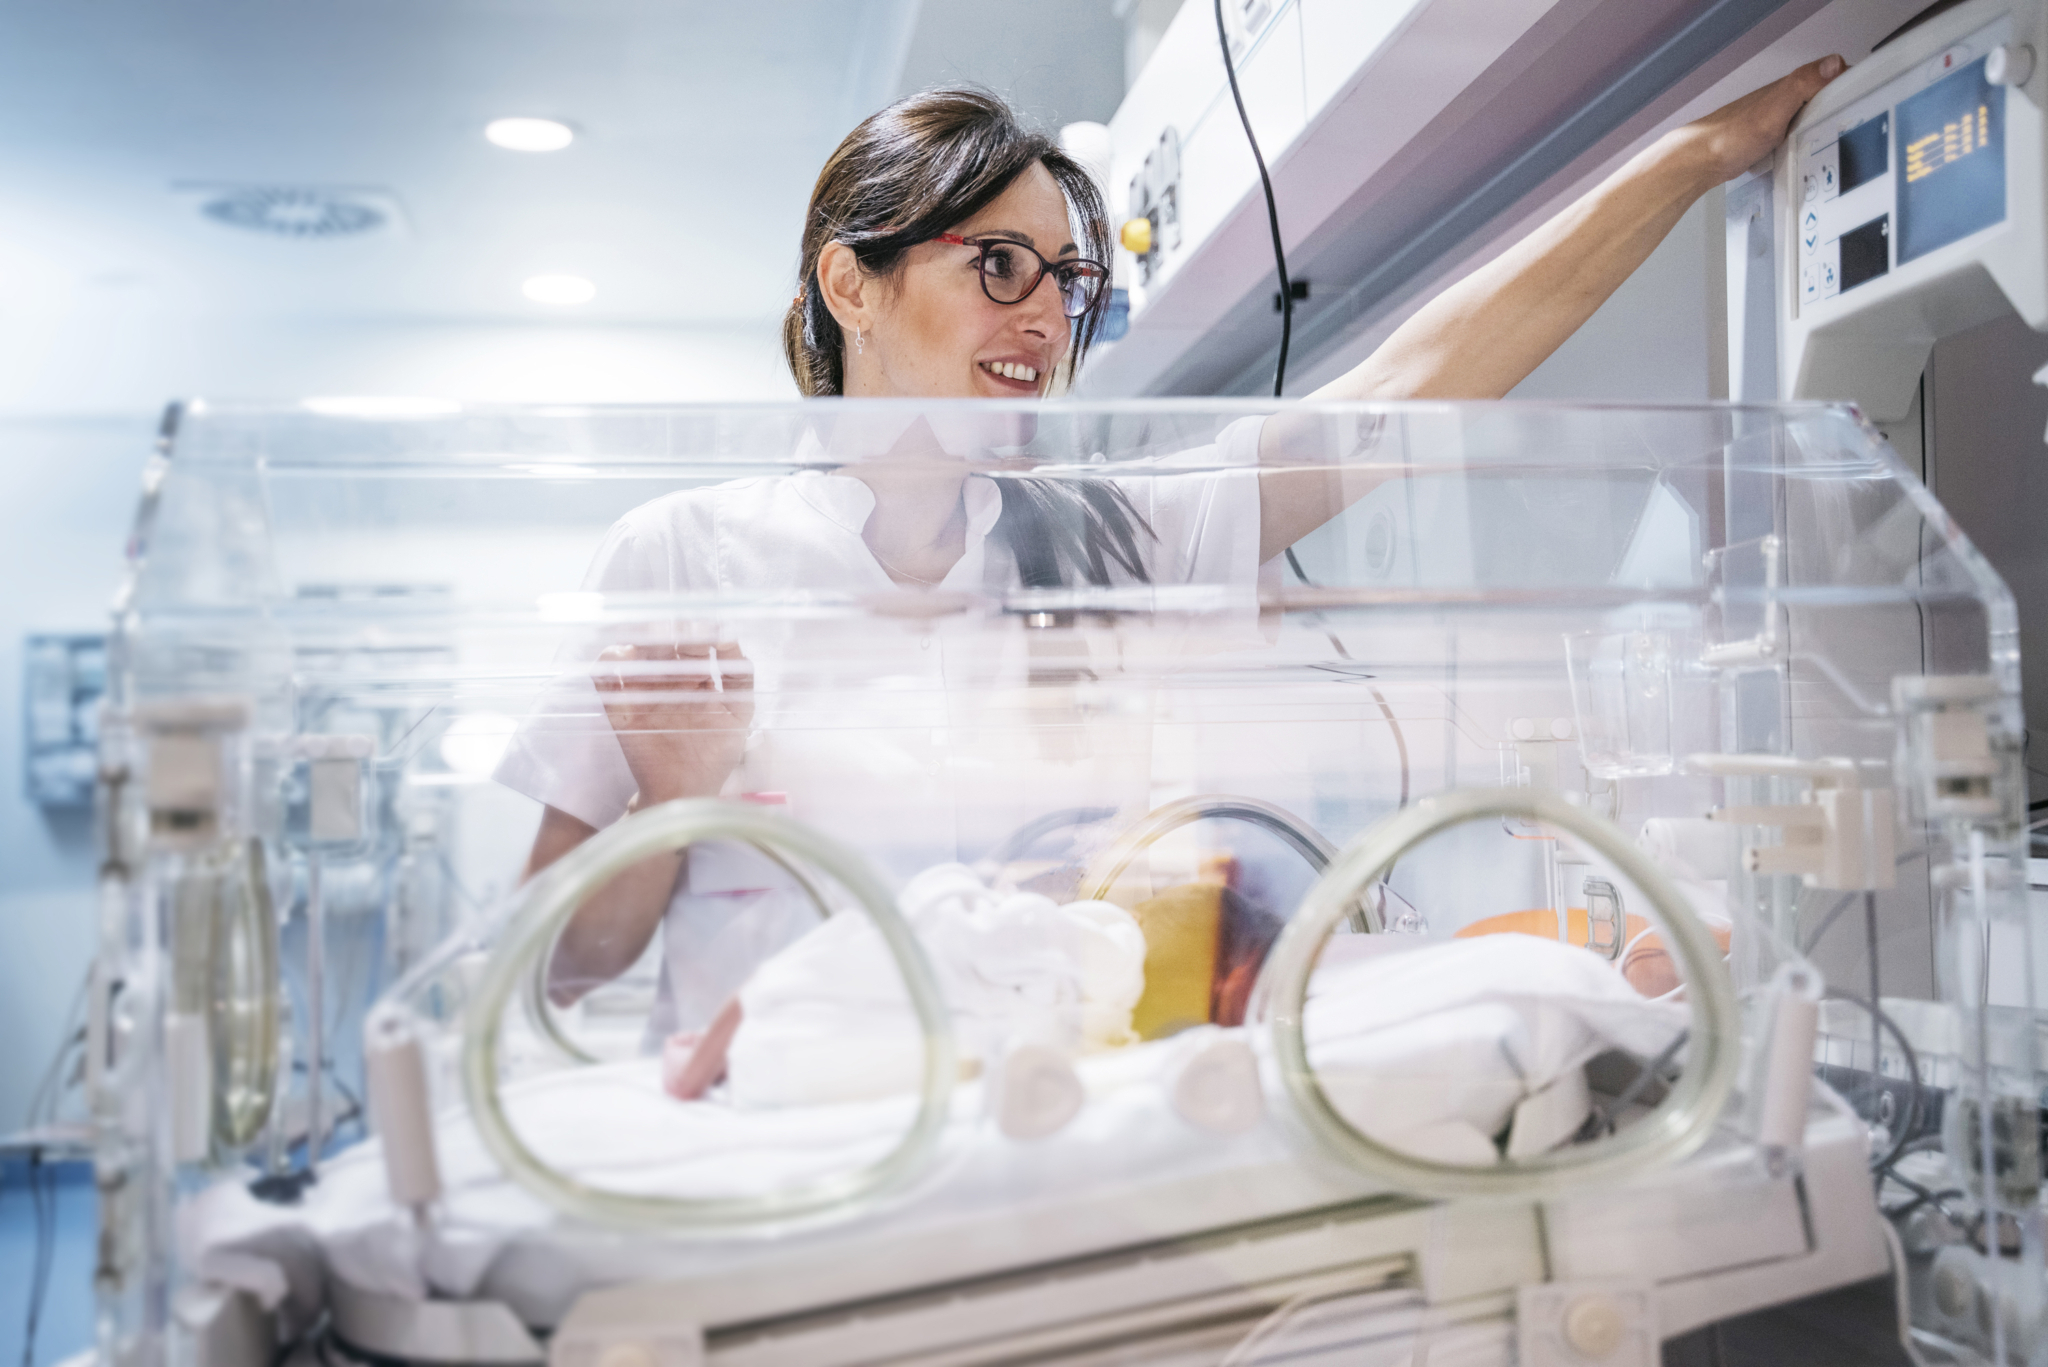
{"x":1736,"y":136}
{"x":681,"y":713}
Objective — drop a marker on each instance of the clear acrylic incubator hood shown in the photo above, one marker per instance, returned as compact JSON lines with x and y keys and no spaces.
{"x":1305,"y":881}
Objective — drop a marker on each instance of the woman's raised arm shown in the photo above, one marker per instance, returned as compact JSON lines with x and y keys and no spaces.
{"x":1483,"y":335}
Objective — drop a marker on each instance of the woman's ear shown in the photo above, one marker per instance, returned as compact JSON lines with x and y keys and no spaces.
{"x":843,"y":285}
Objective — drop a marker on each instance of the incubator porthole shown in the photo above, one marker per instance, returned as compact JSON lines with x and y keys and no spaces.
{"x":1629,"y":1069}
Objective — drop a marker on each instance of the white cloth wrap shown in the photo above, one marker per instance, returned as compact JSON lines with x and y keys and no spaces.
{"x":829,"y":1020}
{"x":1430,"y":1049}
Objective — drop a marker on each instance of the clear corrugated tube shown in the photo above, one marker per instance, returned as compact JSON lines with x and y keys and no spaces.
{"x":1675,"y":1128}
{"x":545,"y":906}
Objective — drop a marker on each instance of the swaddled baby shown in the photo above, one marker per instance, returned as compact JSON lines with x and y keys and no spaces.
{"x":828,"y":1019}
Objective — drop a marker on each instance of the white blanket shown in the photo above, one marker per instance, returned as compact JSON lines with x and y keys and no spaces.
{"x":1430,"y":1048}
{"x":828,"y":1019}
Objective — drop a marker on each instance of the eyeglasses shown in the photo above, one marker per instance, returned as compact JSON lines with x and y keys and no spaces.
{"x":1008,"y":274}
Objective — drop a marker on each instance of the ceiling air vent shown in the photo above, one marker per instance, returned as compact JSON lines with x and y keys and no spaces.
{"x":306,"y":212}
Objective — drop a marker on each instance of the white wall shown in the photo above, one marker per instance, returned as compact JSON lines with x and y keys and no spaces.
{"x":1649,"y":342}
{"x":66,"y":491}
{"x":108,"y":355}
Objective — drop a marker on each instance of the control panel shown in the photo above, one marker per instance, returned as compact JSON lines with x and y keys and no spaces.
{"x":1946,"y":184}
{"x":1910,"y":205}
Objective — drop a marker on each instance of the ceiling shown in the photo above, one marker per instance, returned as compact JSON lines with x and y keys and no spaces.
{"x":701,"y":127}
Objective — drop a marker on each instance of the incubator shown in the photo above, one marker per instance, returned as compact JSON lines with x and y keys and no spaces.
{"x":566,"y":900}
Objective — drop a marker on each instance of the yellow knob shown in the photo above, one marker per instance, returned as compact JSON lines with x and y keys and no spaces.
{"x":1137,"y":236}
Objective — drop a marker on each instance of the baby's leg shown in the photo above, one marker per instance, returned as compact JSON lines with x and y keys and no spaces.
{"x":693,"y":1061}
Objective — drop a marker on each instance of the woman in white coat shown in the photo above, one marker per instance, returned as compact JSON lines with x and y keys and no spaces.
{"x":951,"y":253}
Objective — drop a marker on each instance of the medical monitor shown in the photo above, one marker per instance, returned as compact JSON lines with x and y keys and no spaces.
{"x":1909,"y":205}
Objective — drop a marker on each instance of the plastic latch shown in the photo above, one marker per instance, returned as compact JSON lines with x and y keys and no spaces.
{"x":1950,"y":759}
{"x":401,"y":1107}
{"x":186,"y":785}
{"x":1787,"y":1083}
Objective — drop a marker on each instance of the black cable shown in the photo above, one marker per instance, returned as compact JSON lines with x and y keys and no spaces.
{"x":43,"y":1198}
{"x":1922,"y":1196}
{"x":1273,"y":224}
{"x":1272,"y":215}
{"x":1878,"y":1022}
{"x":1828,"y":921}
{"x":1601,"y":1120}
{"x":1916,"y":1109}
{"x":1287,"y":336}
{"x":1848,"y":900}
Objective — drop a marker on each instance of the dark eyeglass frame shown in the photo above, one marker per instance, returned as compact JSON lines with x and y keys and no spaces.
{"x":1066,"y":303}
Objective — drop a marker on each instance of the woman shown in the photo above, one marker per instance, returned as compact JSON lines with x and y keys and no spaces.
{"x":940,"y":261}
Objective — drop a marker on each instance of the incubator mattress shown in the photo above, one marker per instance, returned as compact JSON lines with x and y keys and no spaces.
{"x":1383,"y":1032}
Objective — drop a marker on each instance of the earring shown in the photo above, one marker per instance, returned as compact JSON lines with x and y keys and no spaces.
{"x":860,"y":343}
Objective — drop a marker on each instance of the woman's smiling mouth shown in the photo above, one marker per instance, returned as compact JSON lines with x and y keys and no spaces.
{"x":1014,"y":372}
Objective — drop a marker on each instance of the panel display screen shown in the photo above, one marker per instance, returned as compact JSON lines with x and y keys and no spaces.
{"x":1866,"y":252}
{"x":1952,"y":141}
{"x":1866,"y":151}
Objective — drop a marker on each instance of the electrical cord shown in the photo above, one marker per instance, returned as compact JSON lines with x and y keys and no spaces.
{"x":1272,"y":211}
{"x":1916,"y":1109}
{"x":1848,"y":900}
{"x":1273,"y":224}
{"x":1286,"y":336}
{"x":1601,"y":1121}
{"x":43,"y":1200}
{"x":1902,"y":1304}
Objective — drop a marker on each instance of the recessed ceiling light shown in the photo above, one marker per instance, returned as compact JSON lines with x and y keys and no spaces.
{"x":529,"y":135}
{"x":559,"y":289}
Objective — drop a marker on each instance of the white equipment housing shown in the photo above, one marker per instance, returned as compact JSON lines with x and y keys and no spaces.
{"x":1401,"y":138}
{"x":1909,"y":205}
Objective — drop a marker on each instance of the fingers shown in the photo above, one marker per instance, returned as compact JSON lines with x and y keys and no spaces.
{"x":1809,"y":80}
{"x":706,"y":667}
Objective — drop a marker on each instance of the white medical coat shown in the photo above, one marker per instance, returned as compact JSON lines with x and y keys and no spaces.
{"x":867,"y":729}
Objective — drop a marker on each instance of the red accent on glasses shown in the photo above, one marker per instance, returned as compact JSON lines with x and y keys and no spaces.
{"x":1006,"y":278}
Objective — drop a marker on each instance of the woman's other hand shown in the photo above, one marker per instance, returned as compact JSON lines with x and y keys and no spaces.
{"x":681,"y":713}
{"x":1738,"y":135}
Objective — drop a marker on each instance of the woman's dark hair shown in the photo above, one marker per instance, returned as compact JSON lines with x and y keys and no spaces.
{"x":921,"y":167}
{"x":1051,"y":523}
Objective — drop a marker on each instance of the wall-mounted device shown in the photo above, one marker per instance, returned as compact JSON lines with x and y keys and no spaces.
{"x":1154,"y":224}
{"x":64,"y":677}
{"x":1400,"y":138}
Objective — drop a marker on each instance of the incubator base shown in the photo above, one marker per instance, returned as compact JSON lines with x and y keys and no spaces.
{"x":1370,"y":1278}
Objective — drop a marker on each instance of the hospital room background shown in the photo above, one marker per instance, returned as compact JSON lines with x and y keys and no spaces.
{"x":319,"y":204}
